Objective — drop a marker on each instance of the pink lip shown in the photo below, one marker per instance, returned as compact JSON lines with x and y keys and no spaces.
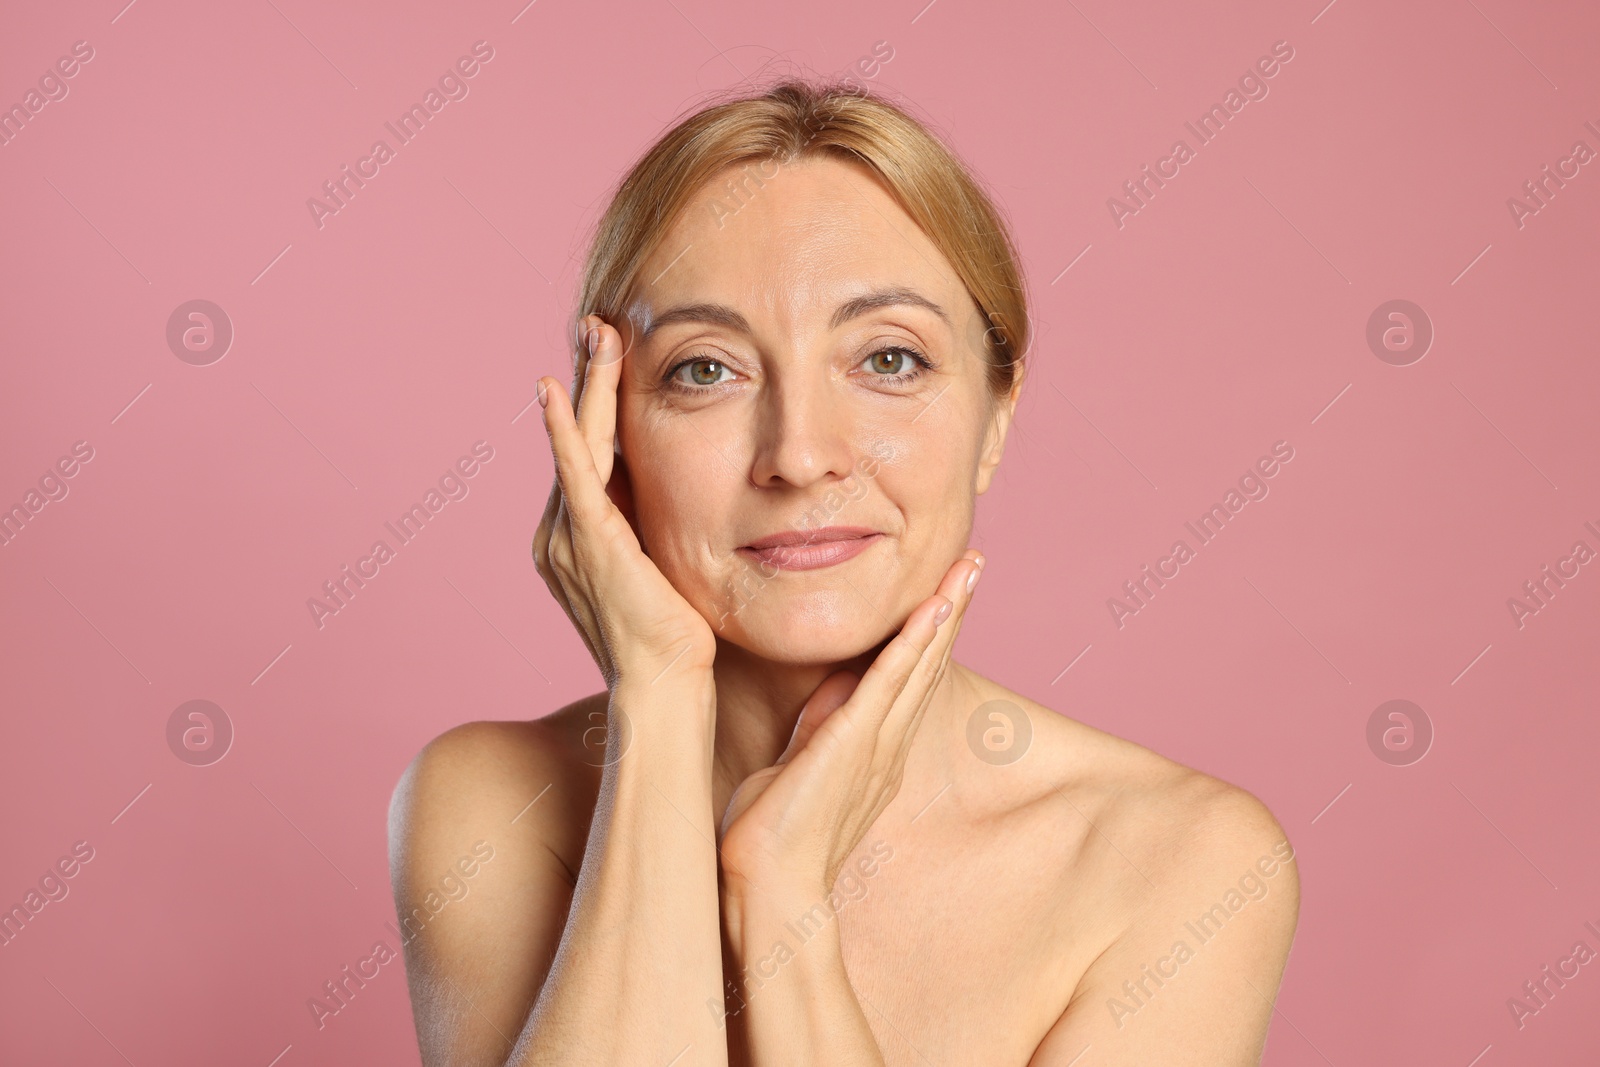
{"x":805,"y":550}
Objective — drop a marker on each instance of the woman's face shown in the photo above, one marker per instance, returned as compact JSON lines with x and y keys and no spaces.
{"x":802,"y":361}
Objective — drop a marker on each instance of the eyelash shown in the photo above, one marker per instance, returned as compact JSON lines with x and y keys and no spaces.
{"x":924,"y":365}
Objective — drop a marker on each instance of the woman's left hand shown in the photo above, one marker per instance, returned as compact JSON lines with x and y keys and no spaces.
{"x":796,"y":822}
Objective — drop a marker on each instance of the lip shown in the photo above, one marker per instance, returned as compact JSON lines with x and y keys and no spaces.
{"x":806,"y":550}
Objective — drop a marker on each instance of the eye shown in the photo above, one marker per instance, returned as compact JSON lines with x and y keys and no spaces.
{"x":698,"y":372}
{"x":897,"y":364}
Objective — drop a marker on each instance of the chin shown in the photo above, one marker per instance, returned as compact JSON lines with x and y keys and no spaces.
{"x":792,"y":634}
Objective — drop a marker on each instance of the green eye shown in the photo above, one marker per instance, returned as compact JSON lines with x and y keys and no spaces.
{"x":704,"y":371}
{"x":889,"y":361}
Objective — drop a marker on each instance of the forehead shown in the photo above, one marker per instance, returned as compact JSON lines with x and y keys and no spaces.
{"x":791,"y":242}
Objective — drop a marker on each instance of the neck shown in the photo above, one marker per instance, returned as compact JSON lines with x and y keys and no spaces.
{"x":759,"y":701}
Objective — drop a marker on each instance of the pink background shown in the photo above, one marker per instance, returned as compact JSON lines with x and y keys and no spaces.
{"x":1228,"y":314}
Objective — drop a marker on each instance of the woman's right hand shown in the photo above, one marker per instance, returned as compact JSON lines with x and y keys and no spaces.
{"x":637,"y":626}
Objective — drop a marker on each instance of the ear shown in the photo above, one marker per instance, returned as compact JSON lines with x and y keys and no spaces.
{"x":994,"y":438}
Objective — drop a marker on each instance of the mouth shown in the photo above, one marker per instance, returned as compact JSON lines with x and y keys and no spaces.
{"x":807,"y":550}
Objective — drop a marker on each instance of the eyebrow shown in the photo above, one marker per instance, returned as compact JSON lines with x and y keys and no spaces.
{"x":722,"y":315}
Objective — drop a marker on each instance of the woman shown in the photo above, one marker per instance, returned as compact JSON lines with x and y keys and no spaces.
{"x":793,"y":829}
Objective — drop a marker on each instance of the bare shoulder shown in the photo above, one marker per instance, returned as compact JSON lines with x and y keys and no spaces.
{"x":1177,"y":865}
{"x":487,"y":828}
{"x":1175,"y":822}
{"x":496,"y":777}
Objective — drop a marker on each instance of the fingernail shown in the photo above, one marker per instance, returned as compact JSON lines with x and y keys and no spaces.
{"x":543,"y":393}
{"x":972,"y":579}
{"x":942,"y":614}
{"x":981,"y":560}
{"x":592,"y":339}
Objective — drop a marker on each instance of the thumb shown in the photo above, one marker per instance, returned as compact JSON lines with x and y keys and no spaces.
{"x":828,"y":698}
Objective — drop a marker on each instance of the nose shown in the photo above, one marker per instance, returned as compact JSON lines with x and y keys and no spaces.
{"x":804,"y":436}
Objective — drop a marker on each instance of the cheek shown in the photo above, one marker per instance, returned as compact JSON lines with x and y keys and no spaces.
{"x":682,"y":495}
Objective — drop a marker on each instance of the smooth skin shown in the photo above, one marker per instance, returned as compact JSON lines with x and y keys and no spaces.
{"x":768,"y":841}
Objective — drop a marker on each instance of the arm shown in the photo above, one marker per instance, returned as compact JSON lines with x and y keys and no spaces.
{"x":532,"y":965}
{"x":797,"y":1002}
{"x":613,"y":963}
{"x":1191,"y":982}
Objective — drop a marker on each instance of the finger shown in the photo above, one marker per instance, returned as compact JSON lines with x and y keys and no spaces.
{"x":921,"y":643}
{"x":828,"y":697}
{"x":597,"y":402}
{"x":582,"y":491}
{"x":959,"y":586}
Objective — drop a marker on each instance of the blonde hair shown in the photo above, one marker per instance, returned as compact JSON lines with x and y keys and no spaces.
{"x":794,"y":120}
